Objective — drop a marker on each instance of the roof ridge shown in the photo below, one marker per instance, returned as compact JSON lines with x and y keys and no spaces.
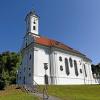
{"x":50,"y":42}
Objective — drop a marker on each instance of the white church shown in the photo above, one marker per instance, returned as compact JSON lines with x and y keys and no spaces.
{"x":48,"y":61}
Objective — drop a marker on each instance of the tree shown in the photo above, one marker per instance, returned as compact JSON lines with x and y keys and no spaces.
{"x":2,"y":82}
{"x":9,"y":63}
{"x":96,"y":70}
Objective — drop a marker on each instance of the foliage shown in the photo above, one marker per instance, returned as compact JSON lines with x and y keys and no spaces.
{"x":9,"y":62}
{"x":11,"y":93}
{"x":2,"y":83}
{"x":96,"y":70}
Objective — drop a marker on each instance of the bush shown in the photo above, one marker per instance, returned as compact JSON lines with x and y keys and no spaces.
{"x":2,"y":83}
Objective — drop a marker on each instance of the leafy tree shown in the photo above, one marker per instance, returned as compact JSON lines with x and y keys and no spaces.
{"x":9,"y":62}
{"x":2,"y":82}
{"x":96,"y":70}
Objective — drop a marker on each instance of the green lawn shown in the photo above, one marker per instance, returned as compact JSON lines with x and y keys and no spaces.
{"x":76,"y":92}
{"x":68,"y":92}
{"x":11,"y":93}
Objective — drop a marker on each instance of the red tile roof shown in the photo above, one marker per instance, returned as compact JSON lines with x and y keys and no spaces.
{"x":52,"y":43}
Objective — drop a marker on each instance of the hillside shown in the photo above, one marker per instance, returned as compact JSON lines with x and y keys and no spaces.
{"x":68,"y":92}
{"x":11,"y":93}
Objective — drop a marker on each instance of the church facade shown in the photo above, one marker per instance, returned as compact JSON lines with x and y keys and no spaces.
{"x":48,"y":61}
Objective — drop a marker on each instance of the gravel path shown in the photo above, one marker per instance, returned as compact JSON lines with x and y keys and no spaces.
{"x":50,"y":97}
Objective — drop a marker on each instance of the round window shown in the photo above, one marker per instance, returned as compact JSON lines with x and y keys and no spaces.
{"x":60,"y":58}
{"x":61,"y":68}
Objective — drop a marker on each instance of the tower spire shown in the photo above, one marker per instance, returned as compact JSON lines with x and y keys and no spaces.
{"x":32,"y":22}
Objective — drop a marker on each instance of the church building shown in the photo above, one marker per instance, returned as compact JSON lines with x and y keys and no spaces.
{"x":47,"y":61}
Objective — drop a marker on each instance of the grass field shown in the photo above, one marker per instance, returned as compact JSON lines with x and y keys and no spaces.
{"x":11,"y":93}
{"x":77,"y":92}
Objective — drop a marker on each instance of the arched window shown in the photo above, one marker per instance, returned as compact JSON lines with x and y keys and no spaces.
{"x":34,"y":22}
{"x":76,"y":69}
{"x":29,"y":68}
{"x":29,"y":74}
{"x":24,"y":80}
{"x":34,"y":28}
{"x":81,"y":71}
{"x":30,"y":57}
{"x":85,"y":70}
{"x":71,"y":62}
{"x":67,"y":66}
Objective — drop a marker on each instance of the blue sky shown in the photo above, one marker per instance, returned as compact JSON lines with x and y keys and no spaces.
{"x":73,"y":22}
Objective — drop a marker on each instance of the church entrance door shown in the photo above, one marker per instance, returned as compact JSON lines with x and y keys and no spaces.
{"x":46,"y":79}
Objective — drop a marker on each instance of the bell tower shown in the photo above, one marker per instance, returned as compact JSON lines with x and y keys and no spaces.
{"x":32,"y":21}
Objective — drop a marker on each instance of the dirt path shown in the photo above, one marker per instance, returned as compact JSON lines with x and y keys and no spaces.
{"x":50,"y":97}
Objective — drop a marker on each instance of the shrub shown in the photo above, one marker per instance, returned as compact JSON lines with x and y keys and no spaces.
{"x":2,"y":82}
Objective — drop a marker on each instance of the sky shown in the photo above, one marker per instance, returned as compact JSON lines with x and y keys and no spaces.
{"x":73,"y":22}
